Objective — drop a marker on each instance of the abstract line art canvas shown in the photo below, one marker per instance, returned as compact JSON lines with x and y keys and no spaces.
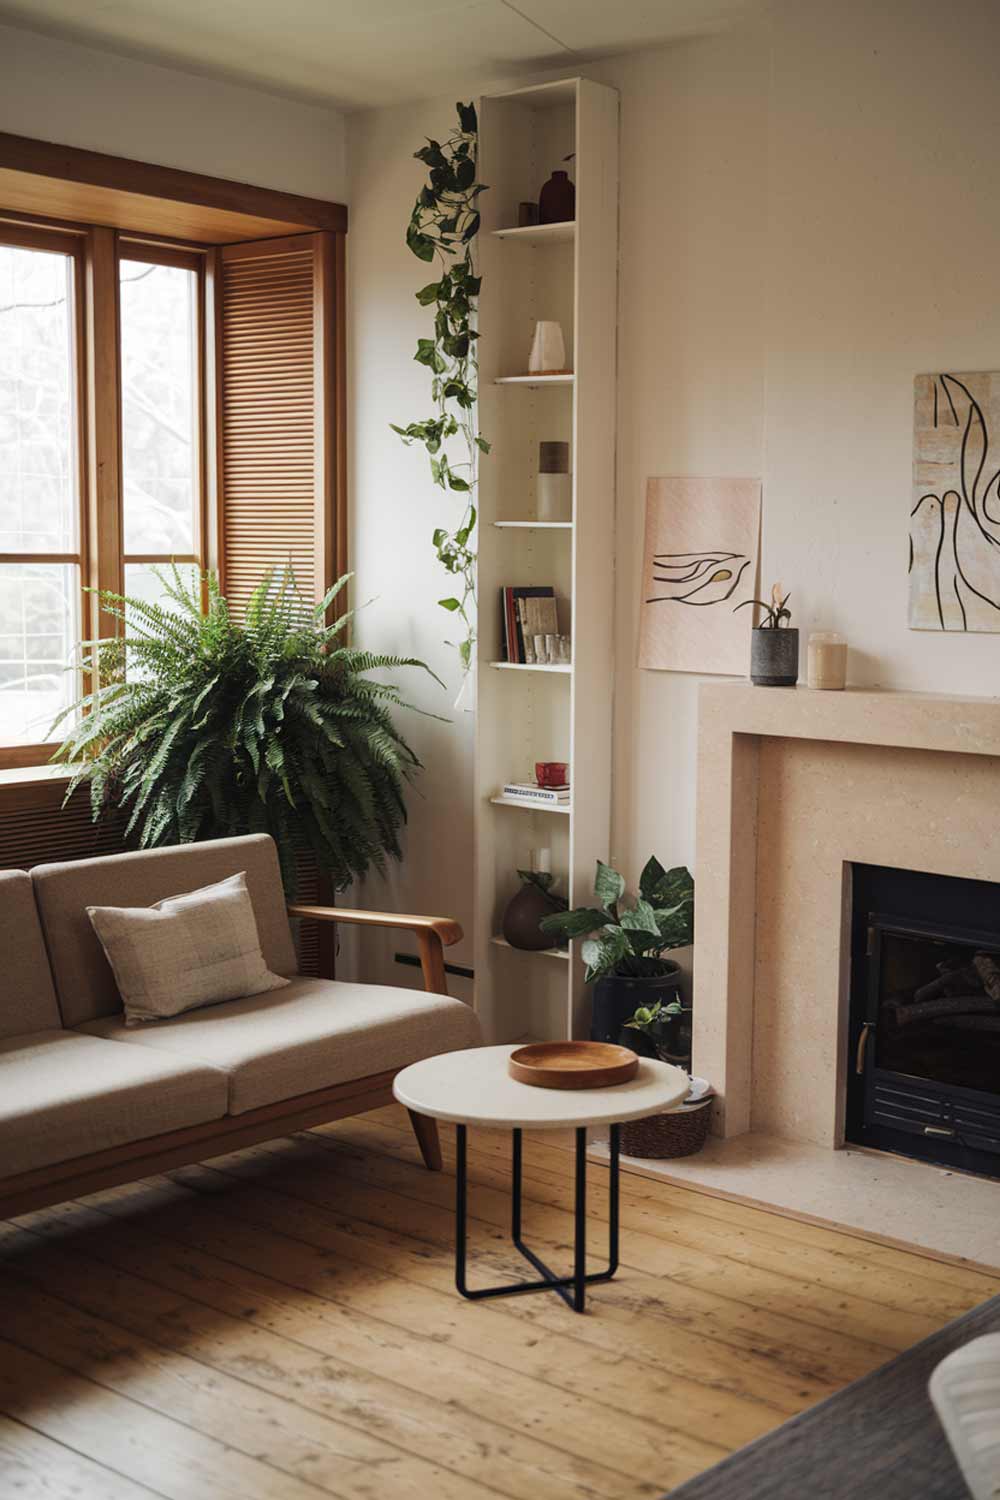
{"x":955,"y":509}
{"x":699,"y":564}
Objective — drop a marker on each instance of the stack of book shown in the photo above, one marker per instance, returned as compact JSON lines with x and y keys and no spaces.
{"x":525,"y":613}
{"x":533,"y":795}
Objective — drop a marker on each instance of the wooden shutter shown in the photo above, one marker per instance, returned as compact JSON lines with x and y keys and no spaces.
{"x":280,"y":444}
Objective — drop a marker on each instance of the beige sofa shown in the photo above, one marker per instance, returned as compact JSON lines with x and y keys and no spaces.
{"x":86,"y":1103}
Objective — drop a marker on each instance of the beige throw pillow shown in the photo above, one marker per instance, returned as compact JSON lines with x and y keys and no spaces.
{"x":184,"y":952}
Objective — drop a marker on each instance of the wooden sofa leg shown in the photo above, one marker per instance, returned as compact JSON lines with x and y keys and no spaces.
{"x":426,"y":1131}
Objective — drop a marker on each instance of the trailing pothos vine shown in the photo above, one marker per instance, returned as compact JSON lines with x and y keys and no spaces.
{"x":443,"y":226}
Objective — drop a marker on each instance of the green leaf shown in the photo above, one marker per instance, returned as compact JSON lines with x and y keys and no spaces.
{"x":575,"y":924}
{"x":429,"y":293}
{"x":603,"y":954}
{"x":641,"y":918}
{"x":609,"y":887}
{"x":650,"y":878}
{"x":482,"y":445}
{"x":467,"y":118}
{"x":419,"y":244}
{"x":451,"y":604}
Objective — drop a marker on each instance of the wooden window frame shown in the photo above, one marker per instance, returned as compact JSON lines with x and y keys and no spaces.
{"x":109,"y":208}
{"x":71,"y":243}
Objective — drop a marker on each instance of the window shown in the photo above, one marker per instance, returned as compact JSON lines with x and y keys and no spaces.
{"x":171,"y":392}
{"x":161,"y":338}
{"x":40,"y":483}
{"x":143,"y":393}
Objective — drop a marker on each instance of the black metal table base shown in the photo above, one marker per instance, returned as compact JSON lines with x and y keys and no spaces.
{"x":572,"y":1288}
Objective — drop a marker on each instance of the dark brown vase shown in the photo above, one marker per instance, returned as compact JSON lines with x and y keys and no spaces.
{"x":557,"y":200}
{"x":523,"y":914}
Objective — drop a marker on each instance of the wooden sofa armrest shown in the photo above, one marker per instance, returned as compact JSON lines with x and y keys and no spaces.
{"x":433,"y":934}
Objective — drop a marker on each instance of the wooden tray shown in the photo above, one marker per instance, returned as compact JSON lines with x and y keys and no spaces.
{"x":572,"y":1065}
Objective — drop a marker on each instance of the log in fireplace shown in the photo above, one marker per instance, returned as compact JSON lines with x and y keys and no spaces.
{"x":924,"y":1018}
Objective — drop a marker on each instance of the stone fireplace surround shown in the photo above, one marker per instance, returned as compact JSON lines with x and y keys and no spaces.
{"x":793,"y":787}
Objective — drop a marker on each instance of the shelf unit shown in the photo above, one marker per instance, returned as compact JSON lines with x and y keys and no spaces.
{"x":534,"y":382}
{"x":537,"y":525}
{"x":556,"y":711}
{"x":533,"y":807}
{"x":531,"y":666}
{"x":501,"y":942}
{"x":539,"y":234}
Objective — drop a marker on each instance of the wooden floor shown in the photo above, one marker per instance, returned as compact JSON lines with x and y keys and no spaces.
{"x":282,"y":1323}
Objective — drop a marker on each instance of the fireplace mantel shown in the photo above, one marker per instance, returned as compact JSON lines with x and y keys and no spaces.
{"x":793,"y":785}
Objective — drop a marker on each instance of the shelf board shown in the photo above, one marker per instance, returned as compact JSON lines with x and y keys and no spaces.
{"x":563,"y":953}
{"x":532,"y":666}
{"x":526,"y":806}
{"x":540,"y":234}
{"x":535,"y":525}
{"x":534,"y":381}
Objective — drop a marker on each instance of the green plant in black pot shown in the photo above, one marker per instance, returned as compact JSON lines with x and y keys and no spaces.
{"x":657,"y":1025}
{"x":625,"y":945}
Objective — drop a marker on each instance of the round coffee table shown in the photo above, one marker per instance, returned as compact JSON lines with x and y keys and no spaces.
{"x":475,"y":1088}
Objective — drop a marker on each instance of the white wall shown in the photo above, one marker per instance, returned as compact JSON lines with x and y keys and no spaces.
{"x":394,"y":509}
{"x":807,"y":223}
{"x":78,"y":96}
{"x":808,"y":220}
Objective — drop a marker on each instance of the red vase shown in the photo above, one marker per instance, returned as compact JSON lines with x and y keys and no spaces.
{"x":557,"y":200}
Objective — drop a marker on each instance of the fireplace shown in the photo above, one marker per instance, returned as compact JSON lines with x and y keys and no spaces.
{"x":924,"y":1017}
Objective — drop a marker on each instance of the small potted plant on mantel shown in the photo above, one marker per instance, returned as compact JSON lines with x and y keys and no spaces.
{"x":625,"y":945}
{"x":774,"y":647}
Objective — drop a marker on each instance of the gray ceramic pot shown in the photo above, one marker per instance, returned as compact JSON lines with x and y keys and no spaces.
{"x":774,"y":657}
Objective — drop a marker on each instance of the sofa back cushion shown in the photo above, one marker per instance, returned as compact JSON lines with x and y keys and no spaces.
{"x":85,"y":985}
{"x":27,"y":998}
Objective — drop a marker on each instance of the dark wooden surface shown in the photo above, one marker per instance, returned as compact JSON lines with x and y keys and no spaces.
{"x":878,"y":1439}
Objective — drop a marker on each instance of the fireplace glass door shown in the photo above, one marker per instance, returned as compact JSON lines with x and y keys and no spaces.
{"x":925,"y":1030}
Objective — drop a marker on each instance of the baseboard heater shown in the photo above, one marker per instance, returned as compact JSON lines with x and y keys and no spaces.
{"x":459,"y":970}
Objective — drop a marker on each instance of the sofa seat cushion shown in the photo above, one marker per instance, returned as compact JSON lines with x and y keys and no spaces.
{"x":64,"y":1095}
{"x":311,"y":1035}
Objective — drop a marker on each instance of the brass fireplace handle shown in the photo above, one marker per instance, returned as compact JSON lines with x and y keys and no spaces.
{"x":866,"y":1031}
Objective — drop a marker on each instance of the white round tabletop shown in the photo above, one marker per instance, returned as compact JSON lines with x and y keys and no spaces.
{"x":474,"y":1088}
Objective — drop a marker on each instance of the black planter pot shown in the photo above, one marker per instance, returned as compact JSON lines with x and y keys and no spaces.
{"x":774,"y":657}
{"x":616,"y":999}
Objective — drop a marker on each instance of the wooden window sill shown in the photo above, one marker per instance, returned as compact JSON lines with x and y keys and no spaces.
{"x":34,"y":775}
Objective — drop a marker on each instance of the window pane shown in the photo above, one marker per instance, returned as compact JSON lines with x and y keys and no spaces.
{"x":39,"y":630}
{"x":142,"y":583}
{"x":159,"y":407}
{"x":39,"y":505}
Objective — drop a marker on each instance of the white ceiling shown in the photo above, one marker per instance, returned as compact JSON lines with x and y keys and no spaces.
{"x":358,"y":53}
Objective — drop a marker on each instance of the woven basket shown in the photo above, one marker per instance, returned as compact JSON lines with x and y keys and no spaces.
{"x":676,"y":1132}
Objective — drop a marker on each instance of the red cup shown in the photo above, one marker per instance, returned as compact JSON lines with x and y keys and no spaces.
{"x":551,"y":773}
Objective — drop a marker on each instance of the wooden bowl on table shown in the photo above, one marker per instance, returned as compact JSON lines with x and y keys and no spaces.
{"x":573,"y":1065}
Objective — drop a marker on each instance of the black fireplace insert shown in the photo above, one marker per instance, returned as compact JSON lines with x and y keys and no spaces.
{"x":924,"y":1039}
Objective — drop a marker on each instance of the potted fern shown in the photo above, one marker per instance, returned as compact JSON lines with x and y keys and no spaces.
{"x":220,"y":726}
{"x":625,"y":946}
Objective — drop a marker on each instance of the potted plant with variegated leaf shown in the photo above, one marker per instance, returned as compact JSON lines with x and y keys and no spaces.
{"x":624,"y":946}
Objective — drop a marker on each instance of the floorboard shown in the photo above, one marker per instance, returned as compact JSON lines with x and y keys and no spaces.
{"x":281,"y":1323}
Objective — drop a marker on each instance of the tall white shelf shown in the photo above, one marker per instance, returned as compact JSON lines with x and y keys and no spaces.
{"x":567,"y":272}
